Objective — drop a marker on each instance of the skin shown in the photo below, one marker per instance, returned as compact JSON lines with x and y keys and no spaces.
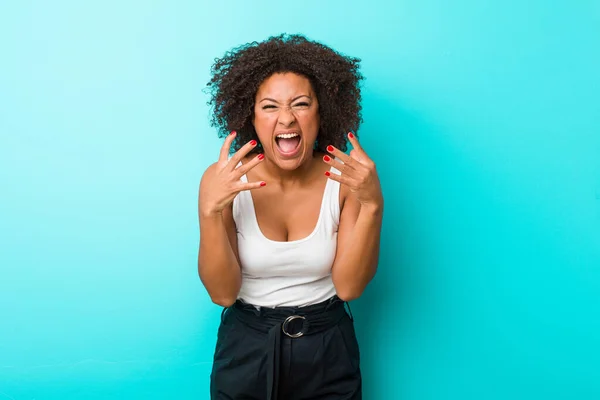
{"x":286,"y":102}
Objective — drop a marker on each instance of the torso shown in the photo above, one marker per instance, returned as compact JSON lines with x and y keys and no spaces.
{"x":292,"y":214}
{"x":285,"y":238}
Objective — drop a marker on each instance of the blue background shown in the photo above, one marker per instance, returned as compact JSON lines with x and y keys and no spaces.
{"x":483,"y":119}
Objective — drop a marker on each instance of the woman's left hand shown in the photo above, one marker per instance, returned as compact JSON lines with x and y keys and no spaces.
{"x":357,"y":172}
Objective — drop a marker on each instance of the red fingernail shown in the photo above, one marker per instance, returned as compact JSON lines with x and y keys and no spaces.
{"x":261,"y":156}
{"x":263,"y":183}
{"x":327,"y":173}
{"x":350,"y":135}
{"x":253,"y":142}
{"x":330,"y":148}
{"x":327,"y":158}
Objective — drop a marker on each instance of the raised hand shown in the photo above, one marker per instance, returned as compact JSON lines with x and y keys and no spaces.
{"x":357,"y":172}
{"x":221,"y":181}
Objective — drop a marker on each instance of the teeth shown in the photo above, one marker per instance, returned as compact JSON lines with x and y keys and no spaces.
{"x":287,"y":135}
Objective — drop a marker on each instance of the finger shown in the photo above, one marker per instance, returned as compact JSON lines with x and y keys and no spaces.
{"x":244,"y":168}
{"x":251,"y":186}
{"x":345,"y":180}
{"x":224,"y":154}
{"x":354,"y":142}
{"x":348,"y":161}
{"x":345,"y":169}
{"x":241,"y":153}
{"x":358,"y":152}
{"x":340,"y":154}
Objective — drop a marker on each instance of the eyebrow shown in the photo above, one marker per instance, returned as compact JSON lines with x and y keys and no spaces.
{"x":294,"y":99}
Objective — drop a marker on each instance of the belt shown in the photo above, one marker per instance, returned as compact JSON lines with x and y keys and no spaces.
{"x":277,"y":322}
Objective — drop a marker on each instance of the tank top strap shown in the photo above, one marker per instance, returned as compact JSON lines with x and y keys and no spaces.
{"x":244,"y":178}
{"x":331,"y":199}
{"x":241,"y":203}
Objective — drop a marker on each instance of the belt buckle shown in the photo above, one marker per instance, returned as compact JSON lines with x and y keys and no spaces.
{"x":286,"y":323}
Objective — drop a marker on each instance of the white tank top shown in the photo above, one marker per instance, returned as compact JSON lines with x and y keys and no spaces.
{"x":294,"y":273}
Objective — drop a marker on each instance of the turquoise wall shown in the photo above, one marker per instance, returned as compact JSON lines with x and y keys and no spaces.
{"x":483,"y":118}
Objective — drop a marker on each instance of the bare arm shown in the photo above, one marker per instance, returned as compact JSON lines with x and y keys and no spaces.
{"x":218,"y":262}
{"x":358,"y":248}
{"x":360,"y":221}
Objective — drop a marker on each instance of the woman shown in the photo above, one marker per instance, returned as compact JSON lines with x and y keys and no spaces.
{"x":289,"y":224}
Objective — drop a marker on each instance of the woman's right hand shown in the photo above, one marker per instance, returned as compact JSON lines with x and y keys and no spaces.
{"x":221,"y":181}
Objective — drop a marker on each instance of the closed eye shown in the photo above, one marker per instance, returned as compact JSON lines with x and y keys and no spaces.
{"x":271,"y":106}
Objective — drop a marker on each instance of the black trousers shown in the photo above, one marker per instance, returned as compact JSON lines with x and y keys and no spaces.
{"x":305,"y":353}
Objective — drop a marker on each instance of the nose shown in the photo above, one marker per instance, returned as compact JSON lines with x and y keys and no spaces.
{"x":286,"y":117}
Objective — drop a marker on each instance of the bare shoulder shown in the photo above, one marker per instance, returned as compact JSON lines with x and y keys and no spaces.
{"x":210,"y":169}
{"x":349,"y":205}
{"x":344,"y":192}
{"x":208,"y":172}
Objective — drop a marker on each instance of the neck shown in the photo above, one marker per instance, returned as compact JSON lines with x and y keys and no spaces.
{"x":288,"y":178}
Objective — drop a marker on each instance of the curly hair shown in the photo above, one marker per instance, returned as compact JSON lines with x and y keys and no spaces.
{"x":335,"y":78}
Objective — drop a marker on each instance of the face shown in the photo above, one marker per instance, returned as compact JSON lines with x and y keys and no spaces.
{"x":286,"y":119}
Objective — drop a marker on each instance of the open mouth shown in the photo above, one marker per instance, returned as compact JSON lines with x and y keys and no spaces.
{"x":288,"y":144}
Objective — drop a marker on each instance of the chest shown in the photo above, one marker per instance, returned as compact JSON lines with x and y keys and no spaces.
{"x":288,"y":216}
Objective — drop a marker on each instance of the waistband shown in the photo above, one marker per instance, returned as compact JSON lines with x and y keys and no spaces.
{"x":293,"y":322}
